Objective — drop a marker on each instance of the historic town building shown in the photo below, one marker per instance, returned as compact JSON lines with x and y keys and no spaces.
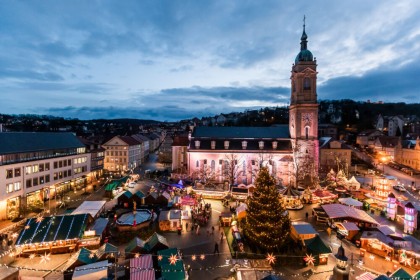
{"x":234,"y":155}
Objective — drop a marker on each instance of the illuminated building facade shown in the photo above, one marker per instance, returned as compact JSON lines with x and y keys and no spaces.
{"x":235,"y":154}
{"x":37,"y":167}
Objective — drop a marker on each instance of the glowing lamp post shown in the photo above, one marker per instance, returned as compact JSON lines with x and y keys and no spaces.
{"x":410,"y":218}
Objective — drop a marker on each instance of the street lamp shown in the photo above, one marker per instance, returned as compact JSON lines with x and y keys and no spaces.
{"x":383,"y":160}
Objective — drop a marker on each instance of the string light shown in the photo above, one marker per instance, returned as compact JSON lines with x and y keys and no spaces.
{"x":309,"y":259}
{"x":45,"y":258}
{"x":137,"y":255}
{"x":193,"y":257}
{"x":202,"y":257}
{"x":270,"y":258}
{"x":160,"y":258}
{"x":172,"y":259}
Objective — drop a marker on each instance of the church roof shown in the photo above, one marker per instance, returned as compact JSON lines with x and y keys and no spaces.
{"x":243,"y":132}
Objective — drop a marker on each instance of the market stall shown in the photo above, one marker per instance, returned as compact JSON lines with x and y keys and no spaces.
{"x":141,"y":268}
{"x":291,"y":198}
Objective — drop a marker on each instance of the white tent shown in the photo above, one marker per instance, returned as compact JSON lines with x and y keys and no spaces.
{"x":97,"y":271}
{"x":353,"y":184}
{"x":94,"y":208}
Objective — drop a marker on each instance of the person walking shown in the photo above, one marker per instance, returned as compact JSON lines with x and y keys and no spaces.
{"x":306,"y":215}
{"x":221,"y":236}
{"x":212,"y":230}
{"x":198,"y":230}
{"x":216,"y":248}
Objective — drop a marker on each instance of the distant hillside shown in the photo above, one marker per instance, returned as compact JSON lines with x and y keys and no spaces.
{"x":130,"y":121}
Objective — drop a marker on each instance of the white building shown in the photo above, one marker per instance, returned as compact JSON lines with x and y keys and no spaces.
{"x":35,"y":167}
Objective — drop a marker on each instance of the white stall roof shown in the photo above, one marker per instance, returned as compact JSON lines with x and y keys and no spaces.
{"x":335,"y":211}
{"x":90,"y":207}
{"x":350,"y":202}
{"x":97,"y":271}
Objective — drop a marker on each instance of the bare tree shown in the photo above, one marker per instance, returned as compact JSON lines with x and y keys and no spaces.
{"x":231,"y":168}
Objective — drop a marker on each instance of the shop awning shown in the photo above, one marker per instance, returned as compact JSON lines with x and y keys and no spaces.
{"x":141,"y":268}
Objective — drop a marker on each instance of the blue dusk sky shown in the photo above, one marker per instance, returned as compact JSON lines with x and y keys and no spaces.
{"x":177,"y":59}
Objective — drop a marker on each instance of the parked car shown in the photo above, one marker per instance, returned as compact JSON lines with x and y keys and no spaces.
{"x":399,"y":188}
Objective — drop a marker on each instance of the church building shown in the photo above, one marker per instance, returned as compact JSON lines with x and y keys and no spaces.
{"x":234,"y":155}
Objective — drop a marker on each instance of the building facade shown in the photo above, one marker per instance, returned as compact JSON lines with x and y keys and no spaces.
{"x":122,"y":153}
{"x":37,"y":167}
{"x":408,"y":153}
{"x":290,"y":152}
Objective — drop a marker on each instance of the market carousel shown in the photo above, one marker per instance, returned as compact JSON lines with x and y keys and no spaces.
{"x":133,"y":221}
{"x":291,"y":198}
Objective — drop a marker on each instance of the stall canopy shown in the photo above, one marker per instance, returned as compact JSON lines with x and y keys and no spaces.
{"x":339,"y":211}
{"x":134,"y":246}
{"x":94,"y":208}
{"x":155,"y":242}
{"x":97,"y":271}
{"x":141,"y":268}
{"x":351,"y":202}
{"x":291,"y":192}
{"x":241,"y":211}
{"x":106,"y":250}
{"x":316,"y":246}
{"x":171,"y":271}
{"x":401,"y":274}
{"x":188,"y":200}
{"x":366,"y":276}
{"x":53,"y":228}
{"x":353,"y":184}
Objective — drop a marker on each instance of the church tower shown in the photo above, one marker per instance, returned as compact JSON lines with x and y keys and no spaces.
{"x":303,"y":113}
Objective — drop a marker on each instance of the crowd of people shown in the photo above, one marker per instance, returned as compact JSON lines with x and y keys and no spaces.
{"x":201,"y":214}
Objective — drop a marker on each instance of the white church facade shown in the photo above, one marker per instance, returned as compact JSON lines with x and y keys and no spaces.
{"x":234,"y":155}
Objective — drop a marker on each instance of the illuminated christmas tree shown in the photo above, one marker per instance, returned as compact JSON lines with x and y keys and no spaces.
{"x":267,"y":225}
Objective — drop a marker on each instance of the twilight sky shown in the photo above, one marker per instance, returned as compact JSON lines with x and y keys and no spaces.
{"x":177,"y":59}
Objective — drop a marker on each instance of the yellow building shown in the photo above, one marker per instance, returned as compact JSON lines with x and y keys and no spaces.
{"x":333,"y":155}
{"x":408,"y":153}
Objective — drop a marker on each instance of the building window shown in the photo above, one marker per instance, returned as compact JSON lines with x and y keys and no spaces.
{"x":41,"y":180}
{"x":47,"y":178}
{"x":16,"y":186}
{"x":226,"y":144}
{"x":261,"y":145}
{"x":9,"y":173}
{"x":213,"y":166}
{"x":41,"y":167}
{"x":306,"y":84}
{"x":197,"y":144}
{"x":55,"y":165}
{"x":17,"y":172}
{"x":213,"y":145}
{"x":9,"y":188}
{"x":60,"y":164}
{"x":274,"y":145}
{"x":35,"y":182}
{"x":306,"y":132}
{"x":244,"y":144}
{"x":197,"y":164}
{"x":69,"y":162}
{"x":47,"y":166}
{"x":28,"y":183}
{"x":28,"y":170}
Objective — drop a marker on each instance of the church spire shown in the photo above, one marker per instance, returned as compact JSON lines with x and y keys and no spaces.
{"x":303,"y":39}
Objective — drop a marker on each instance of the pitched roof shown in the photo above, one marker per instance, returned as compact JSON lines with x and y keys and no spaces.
{"x":316,"y":246}
{"x":106,"y":249}
{"x":224,"y":132}
{"x":171,"y":271}
{"x":342,"y":211}
{"x":155,"y":240}
{"x":54,"y":228}
{"x":23,"y":142}
{"x":304,"y":228}
{"x":133,"y":244}
{"x":401,"y":274}
{"x":141,"y":268}
{"x":180,"y":140}
{"x":130,"y":140}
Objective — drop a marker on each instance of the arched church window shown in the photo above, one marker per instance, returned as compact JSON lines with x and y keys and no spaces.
{"x":213,"y":166}
{"x":306,"y":83}
{"x":307,"y":132}
{"x":197,"y":164}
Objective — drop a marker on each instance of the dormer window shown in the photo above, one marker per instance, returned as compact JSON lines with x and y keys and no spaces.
{"x":244,"y":144}
{"x":226,"y":144}
{"x":261,"y":145}
{"x":274,"y":145}
{"x":213,"y":145}
{"x":197,"y":144}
